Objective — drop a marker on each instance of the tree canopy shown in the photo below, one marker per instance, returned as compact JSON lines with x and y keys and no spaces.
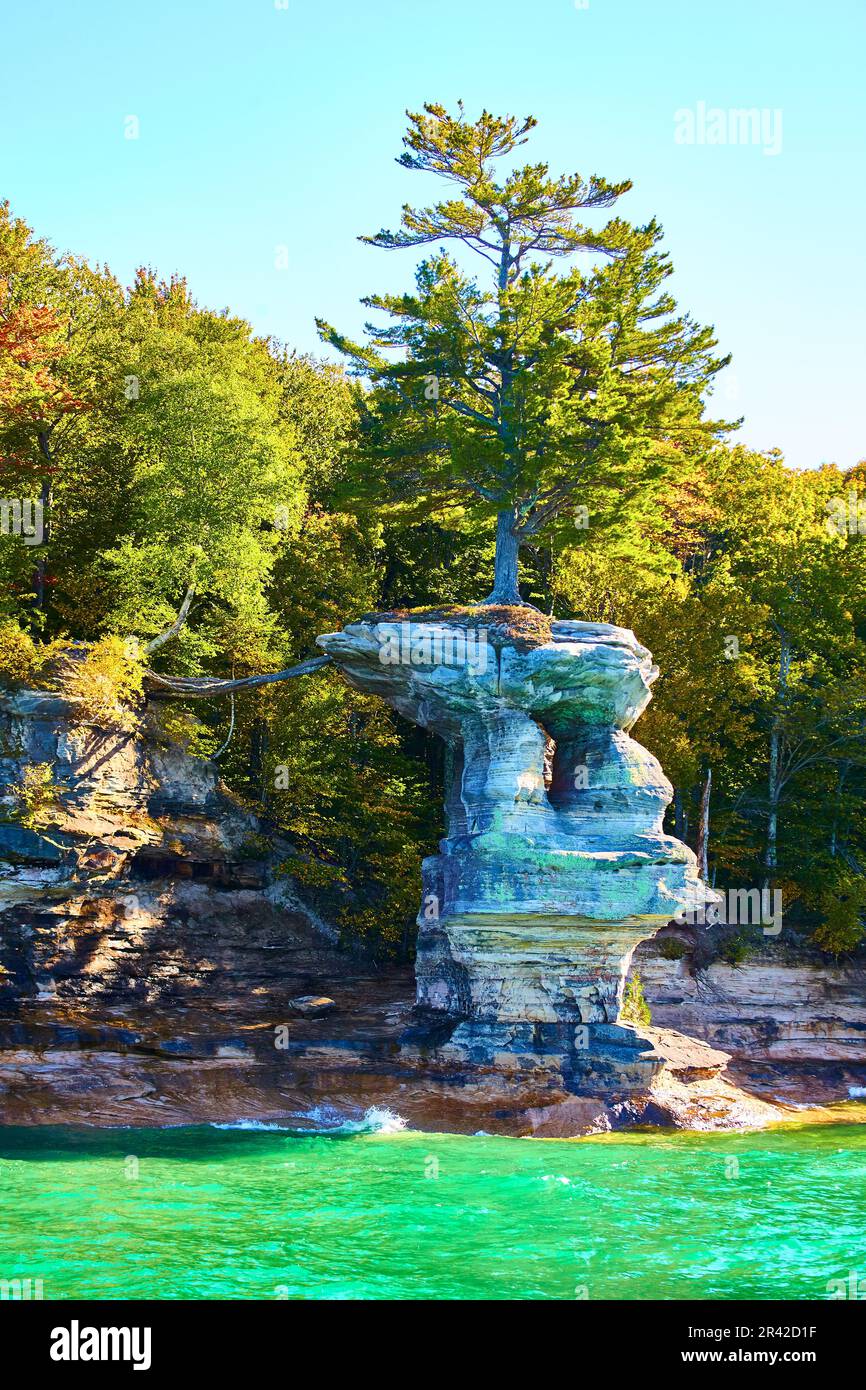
{"x":527,"y":389}
{"x":175,"y":453}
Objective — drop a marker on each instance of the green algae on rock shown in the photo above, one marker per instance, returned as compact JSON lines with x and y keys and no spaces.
{"x":555,"y":863}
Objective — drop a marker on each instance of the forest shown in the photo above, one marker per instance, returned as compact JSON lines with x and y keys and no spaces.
{"x":170,"y":453}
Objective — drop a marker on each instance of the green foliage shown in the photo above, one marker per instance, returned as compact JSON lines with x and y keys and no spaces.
{"x":514,"y":394}
{"x":673,"y":948}
{"x":254,"y":847}
{"x":19,"y":660}
{"x":337,"y":776}
{"x":170,"y":724}
{"x":736,"y":947}
{"x":842,"y":907}
{"x":635,"y":1009}
{"x":24,"y":662}
{"x":37,"y":796}
{"x":106,"y":684}
{"x":171,"y":446}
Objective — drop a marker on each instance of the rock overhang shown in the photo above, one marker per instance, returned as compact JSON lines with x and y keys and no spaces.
{"x":555,"y":864}
{"x":589,"y":673}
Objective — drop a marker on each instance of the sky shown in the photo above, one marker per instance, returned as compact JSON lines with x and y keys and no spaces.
{"x":267,"y":132}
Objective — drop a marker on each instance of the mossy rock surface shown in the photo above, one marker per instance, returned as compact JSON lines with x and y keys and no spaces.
{"x":525,"y":627}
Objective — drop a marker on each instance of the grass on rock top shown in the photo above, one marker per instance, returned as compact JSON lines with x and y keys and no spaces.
{"x":526,"y":627}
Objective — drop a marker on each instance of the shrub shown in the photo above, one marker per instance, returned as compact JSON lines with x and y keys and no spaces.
{"x":18,"y":655}
{"x":38,"y":796}
{"x":254,"y":847}
{"x":737,"y":948}
{"x":24,"y":662}
{"x":635,"y":1008}
{"x":672,"y":948}
{"x":174,"y":725}
{"x":106,"y":682}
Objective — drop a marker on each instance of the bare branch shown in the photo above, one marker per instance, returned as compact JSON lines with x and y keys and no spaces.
{"x":205,"y":687}
{"x":176,"y":626}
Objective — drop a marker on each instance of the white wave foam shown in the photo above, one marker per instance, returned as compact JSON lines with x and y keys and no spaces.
{"x":327,"y":1119}
{"x":381,"y":1120}
{"x":251,"y":1124}
{"x":376,"y":1120}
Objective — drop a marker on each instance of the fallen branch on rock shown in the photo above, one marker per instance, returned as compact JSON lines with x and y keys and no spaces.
{"x":205,"y":687}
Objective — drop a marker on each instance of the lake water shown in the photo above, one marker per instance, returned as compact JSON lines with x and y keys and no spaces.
{"x":374,"y":1211}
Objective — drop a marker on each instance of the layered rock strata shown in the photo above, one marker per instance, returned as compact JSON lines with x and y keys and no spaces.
{"x":555,"y":864}
{"x":156,"y":966}
{"x":791,"y":1019}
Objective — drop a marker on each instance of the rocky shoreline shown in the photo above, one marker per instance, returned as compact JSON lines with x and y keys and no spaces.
{"x":157,"y":960}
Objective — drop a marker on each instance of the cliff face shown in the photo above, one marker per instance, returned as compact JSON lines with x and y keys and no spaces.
{"x":131,"y":830}
{"x":793,"y":1021}
{"x":158,"y":966}
{"x":555,"y":864}
{"x":155,"y":963}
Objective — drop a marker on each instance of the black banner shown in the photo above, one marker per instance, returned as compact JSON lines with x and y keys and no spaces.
{"x":160,"y":1338}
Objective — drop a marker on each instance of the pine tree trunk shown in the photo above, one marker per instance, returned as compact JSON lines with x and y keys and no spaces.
{"x":505,"y":588}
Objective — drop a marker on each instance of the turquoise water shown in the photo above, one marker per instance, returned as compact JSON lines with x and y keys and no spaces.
{"x":246,"y":1213}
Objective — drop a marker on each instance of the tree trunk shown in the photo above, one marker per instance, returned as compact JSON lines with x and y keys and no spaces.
{"x":841,"y":774}
{"x":174,"y":629}
{"x":505,"y":589}
{"x":259,"y":741}
{"x":704,"y":827}
{"x":773,"y":786}
{"x":772,"y":840}
{"x":45,"y":500}
{"x":205,"y":687}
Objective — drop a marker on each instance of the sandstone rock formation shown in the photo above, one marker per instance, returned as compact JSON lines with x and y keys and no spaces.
{"x":791,"y":1019}
{"x":555,"y":863}
{"x":153,"y":954}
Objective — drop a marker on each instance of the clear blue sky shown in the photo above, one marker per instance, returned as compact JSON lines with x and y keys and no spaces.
{"x":263,"y":127}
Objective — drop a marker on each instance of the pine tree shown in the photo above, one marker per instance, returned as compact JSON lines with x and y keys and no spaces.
{"x":519,"y":392}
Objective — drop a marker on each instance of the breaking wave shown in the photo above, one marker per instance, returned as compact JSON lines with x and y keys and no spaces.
{"x":327,"y":1119}
{"x":251,"y":1124}
{"x":376,"y":1120}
